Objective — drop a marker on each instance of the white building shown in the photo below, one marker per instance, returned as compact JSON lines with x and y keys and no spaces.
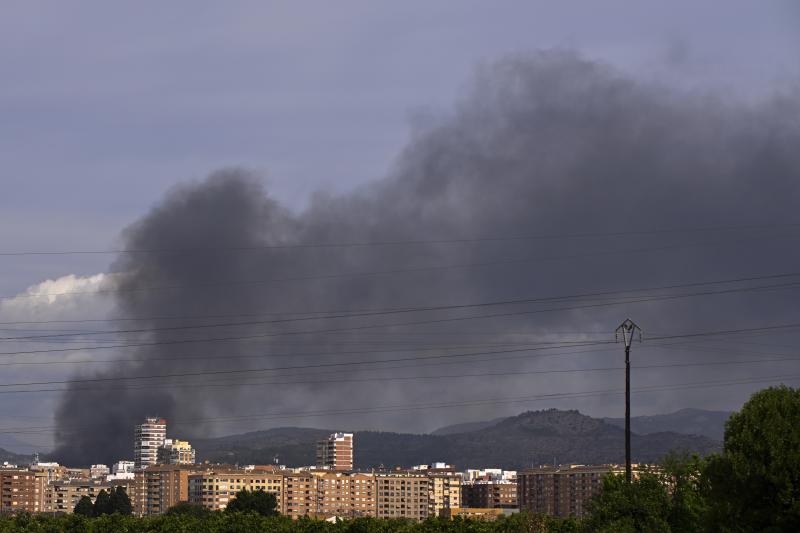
{"x":490,"y":474}
{"x":98,"y":471}
{"x":176,"y":452}
{"x":121,"y":470}
{"x":149,"y":436}
{"x":122,"y":467}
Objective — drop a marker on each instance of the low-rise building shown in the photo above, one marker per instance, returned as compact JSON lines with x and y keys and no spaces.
{"x":99,"y":471}
{"x":215,"y":487}
{"x":63,"y":495}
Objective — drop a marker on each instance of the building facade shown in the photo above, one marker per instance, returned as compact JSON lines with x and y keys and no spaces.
{"x":489,"y":495}
{"x":21,"y":491}
{"x":402,"y":495}
{"x":149,"y":436}
{"x":163,"y":487}
{"x":444,"y":489}
{"x":175,"y":452}
{"x":63,"y":495}
{"x":561,"y":491}
{"x":216,"y":487}
{"x":345,"y":494}
{"x":336,"y":452}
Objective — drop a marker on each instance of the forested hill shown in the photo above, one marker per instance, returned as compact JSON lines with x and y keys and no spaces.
{"x":531,"y":438}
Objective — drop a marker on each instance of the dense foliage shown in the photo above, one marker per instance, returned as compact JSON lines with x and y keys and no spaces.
{"x":754,"y":485}
{"x":260,"y":502}
{"x":114,"y":501}
{"x":220,"y":522}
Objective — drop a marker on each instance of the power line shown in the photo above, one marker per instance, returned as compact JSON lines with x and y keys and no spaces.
{"x":265,"y":355}
{"x":515,"y":373}
{"x":357,"y":314}
{"x":298,"y":367}
{"x":229,"y":283}
{"x":356,"y":244}
{"x":402,"y":324}
{"x":381,"y":361}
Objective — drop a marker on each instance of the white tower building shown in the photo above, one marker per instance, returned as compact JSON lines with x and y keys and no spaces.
{"x":149,"y":436}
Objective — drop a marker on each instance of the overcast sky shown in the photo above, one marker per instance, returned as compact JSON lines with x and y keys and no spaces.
{"x":104,"y":106}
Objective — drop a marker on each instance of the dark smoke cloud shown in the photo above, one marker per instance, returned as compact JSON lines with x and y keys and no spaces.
{"x":543,"y":144}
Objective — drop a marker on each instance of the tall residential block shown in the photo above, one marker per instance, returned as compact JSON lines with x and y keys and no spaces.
{"x":345,"y":494}
{"x":402,"y":495}
{"x":21,"y":491}
{"x":444,"y":487}
{"x":336,"y":452}
{"x":489,"y":495}
{"x":148,"y":437}
{"x":176,"y":452}
{"x":163,"y":486}
{"x":561,"y":491}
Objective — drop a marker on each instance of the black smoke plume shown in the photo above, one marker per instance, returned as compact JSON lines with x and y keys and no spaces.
{"x":549,"y":144}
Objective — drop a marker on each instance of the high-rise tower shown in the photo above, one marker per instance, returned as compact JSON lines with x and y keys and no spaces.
{"x":149,"y":436}
{"x":336,"y":452}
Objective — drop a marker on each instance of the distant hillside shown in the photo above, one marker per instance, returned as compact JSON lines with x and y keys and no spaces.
{"x":14,"y":458}
{"x":466,"y":427}
{"x":12,"y":444}
{"x":710,"y":424}
{"x":532,"y":438}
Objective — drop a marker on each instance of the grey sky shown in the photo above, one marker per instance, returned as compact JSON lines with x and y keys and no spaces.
{"x":105,"y":107}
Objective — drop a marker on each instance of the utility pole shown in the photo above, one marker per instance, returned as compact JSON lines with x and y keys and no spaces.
{"x":628,"y":329}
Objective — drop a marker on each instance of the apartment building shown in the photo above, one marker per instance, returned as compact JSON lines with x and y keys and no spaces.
{"x":63,"y":495}
{"x":99,"y":471}
{"x":215,"y":487}
{"x":148,"y":437}
{"x":163,"y":486}
{"x":489,"y":495}
{"x":444,"y":490}
{"x":402,"y":495}
{"x":21,"y":491}
{"x":300,"y":495}
{"x":489,"y":474}
{"x":345,"y":494}
{"x":134,"y":486}
{"x":563,"y":490}
{"x":175,"y":452}
{"x":336,"y":452}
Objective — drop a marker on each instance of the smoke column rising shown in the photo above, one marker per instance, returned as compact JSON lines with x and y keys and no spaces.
{"x":549,"y":143}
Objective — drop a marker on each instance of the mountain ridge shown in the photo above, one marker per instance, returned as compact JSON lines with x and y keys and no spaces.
{"x":528,"y":439}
